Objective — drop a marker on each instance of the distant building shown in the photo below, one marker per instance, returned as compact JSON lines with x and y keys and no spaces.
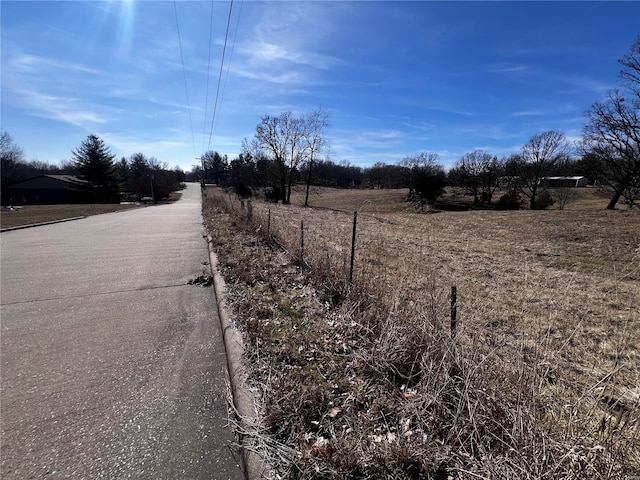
{"x":47,"y":190}
{"x":563,"y":182}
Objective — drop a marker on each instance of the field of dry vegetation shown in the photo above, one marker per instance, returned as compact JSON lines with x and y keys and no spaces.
{"x":34,"y":214}
{"x":362,"y":380}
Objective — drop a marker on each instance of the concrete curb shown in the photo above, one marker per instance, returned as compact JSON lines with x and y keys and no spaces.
{"x":244,"y":402}
{"x":20,"y":227}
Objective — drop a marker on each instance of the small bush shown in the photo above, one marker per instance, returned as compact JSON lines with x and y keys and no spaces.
{"x":543,"y":201}
{"x":242,"y":190}
{"x":273,"y":194}
{"x":510,"y":201}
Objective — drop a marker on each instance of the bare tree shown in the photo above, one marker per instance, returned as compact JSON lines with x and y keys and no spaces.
{"x":425,"y":176}
{"x":289,"y":141}
{"x":630,"y":73}
{"x":612,"y":134}
{"x":9,"y":151}
{"x":12,"y":162}
{"x":563,"y":194}
{"x":315,"y":125}
{"x":538,"y":157}
{"x":280,"y":138}
{"x":413,"y":166}
{"x":155,"y":164}
{"x":478,"y":173}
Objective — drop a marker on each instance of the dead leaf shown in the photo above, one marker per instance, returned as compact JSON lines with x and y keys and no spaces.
{"x":334,"y":412}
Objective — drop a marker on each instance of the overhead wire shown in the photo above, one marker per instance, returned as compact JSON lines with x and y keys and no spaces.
{"x":184,"y":76}
{"x":233,"y":45}
{"x":224,"y":49}
{"x":206,"y":101}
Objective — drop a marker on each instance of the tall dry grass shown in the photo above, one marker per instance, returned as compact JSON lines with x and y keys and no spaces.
{"x":543,"y":378}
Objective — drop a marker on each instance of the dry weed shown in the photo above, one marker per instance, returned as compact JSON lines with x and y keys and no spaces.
{"x":362,"y":378}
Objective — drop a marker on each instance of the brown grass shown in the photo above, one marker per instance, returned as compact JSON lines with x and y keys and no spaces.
{"x":547,"y":351}
{"x":32,"y":214}
{"x":395,"y":200}
{"x":175,"y":196}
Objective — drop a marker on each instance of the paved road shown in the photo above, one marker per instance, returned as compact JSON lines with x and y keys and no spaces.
{"x":112,"y":366}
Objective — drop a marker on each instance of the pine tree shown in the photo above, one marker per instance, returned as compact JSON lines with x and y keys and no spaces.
{"x":95,"y":164}
{"x":139,"y":172}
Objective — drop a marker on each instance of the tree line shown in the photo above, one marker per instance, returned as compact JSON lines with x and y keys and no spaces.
{"x":490,"y":181}
{"x":288,"y":149}
{"x":105,"y":180}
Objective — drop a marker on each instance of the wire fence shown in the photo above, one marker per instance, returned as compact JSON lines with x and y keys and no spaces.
{"x":345,"y":255}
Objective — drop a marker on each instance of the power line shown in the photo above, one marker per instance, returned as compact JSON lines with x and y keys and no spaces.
{"x":233,"y":46}
{"x":206,"y":101}
{"x":215,"y":106}
{"x":184,"y":76}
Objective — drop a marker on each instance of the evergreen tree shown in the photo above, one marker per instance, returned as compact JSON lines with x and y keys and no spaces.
{"x":94,"y":163}
{"x":122,"y":167}
{"x":139,"y":174}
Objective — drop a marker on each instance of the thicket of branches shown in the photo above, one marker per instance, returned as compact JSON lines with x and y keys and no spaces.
{"x":478,"y":174}
{"x":612,"y":135}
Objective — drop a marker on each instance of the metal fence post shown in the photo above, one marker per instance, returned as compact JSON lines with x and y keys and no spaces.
{"x":454,"y":313}
{"x":301,"y":241}
{"x":353,"y":245}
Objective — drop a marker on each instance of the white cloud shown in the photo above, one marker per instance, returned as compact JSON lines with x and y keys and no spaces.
{"x":448,"y":108}
{"x":425,"y":127}
{"x":506,"y":68}
{"x":263,"y":75}
{"x":68,"y":110}
{"x":34,"y":64}
{"x":127,"y":145}
{"x":490,"y":131}
{"x":554,"y":111}
{"x":583,"y":82}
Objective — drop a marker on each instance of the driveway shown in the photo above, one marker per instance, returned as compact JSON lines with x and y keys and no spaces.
{"x":112,"y":365}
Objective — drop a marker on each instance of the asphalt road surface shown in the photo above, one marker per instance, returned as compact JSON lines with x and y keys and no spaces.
{"x":112,"y":365}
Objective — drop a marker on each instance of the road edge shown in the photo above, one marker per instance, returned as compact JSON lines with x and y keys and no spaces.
{"x":254,"y":466}
{"x":21,"y":227}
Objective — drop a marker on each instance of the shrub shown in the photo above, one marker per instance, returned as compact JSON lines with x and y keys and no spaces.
{"x":273,"y":194}
{"x":510,"y":201}
{"x":242,"y":190}
{"x":543,"y":201}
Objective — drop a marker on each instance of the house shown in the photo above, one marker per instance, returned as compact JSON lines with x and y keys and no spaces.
{"x":564,"y":182}
{"x":46,"y":190}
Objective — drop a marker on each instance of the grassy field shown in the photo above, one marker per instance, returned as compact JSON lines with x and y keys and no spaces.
{"x":31,"y":214}
{"x":548,"y":312}
{"x":569,"y":277}
{"x":395,"y":201}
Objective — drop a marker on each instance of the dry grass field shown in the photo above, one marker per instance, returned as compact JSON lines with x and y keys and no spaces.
{"x":559,"y":275}
{"x":32,"y":214}
{"x":548,"y":316}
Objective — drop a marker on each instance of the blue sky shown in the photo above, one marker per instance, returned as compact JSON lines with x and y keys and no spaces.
{"x":395,"y":77}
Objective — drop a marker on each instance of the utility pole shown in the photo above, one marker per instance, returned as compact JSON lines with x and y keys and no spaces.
{"x":202,"y":184}
{"x":153,"y":195}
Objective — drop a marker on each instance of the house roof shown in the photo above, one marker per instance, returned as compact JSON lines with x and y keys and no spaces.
{"x":68,"y":179}
{"x":575,"y":177}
